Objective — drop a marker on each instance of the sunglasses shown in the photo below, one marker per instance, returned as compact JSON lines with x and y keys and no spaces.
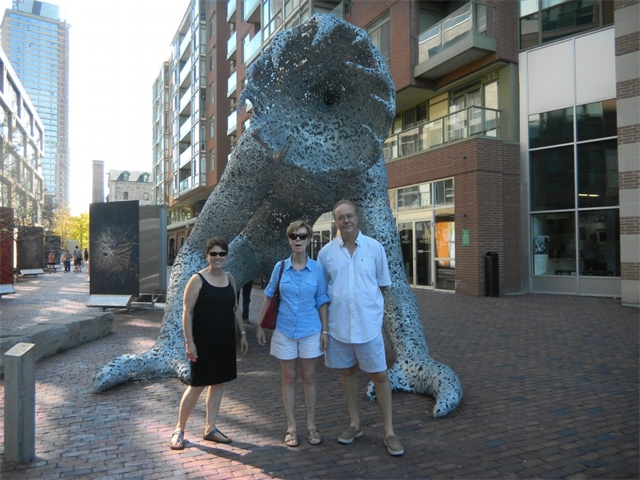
{"x":301,"y":236}
{"x":217,"y":254}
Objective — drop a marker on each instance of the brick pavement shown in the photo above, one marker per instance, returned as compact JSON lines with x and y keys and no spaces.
{"x":551,"y":391}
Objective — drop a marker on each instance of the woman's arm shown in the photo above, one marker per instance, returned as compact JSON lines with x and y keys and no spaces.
{"x":324,"y":317}
{"x":191,"y":292}
{"x":260,"y":335}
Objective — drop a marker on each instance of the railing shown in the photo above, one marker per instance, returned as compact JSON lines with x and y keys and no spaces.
{"x":185,"y":157}
{"x":472,"y":19}
{"x":184,"y":43}
{"x":248,"y":6}
{"x":185,"y":184}
{"x":251,"y":49}
{"x":232,"y":83}
{"x":185,"y":72}
{"x":186,"y":98}
{"x":231,"y":9}
{"x":231,"y":45}
{"x":456,"y":126}
{"x":185,"y":128}
{"x":232,"y":122}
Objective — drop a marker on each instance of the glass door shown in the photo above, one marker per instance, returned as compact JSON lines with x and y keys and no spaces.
{"x":423,"y":253}
{"x":406,"y":245}
{"x":445,"y":249}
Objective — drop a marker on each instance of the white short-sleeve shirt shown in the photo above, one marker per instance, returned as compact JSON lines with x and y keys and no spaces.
{"x":353,"y":284}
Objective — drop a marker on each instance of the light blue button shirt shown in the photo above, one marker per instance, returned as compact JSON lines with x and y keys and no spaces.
{"x":301,"y":294}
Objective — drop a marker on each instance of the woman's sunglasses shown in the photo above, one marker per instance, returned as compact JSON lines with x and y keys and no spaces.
{"x":217,"y":254}
{"x":301,"y":236}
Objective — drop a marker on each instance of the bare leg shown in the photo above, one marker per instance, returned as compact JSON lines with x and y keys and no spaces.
{"x":187,"y":404}
{"x":289,"y":374}
{"x":214,"y":398}
{"x":350,"y":388}
{"x":383,"y":397}
{"x":309,"y":382}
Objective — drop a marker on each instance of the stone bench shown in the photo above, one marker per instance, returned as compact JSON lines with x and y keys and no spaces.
{"x":57,"y":335}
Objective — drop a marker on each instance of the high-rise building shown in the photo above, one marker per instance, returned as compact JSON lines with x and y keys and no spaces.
{"x":21,"y":142}
{"x":515,"y":138}
{"x":36,"y":41}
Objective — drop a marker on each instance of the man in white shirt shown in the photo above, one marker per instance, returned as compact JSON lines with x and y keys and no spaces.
{"x":357,"y":274}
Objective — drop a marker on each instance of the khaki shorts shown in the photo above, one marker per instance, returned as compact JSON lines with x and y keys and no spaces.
{"x":370,"y":356}
{"x":285,"y":348}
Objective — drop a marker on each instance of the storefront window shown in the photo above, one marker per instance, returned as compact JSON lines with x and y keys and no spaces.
{"x":599,"y":247}
{"x":553,"y":244}
{"x":551,"y":128}
{"x":552,"y":179}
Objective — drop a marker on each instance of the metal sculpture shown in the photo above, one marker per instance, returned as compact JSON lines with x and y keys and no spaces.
{"x":323,"y":101}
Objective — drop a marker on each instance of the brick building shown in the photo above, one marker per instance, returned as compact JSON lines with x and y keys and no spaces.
{"x":464,"y":169}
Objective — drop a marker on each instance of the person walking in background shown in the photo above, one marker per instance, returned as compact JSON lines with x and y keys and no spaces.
{"x":357,"y":273}
{"x":86,"y":255}
{"x":209,"y":317}
{"x":51,"y":262}
{"x":77,"y":260}
{"x":66,"y":260}
{"x":301,"y":329}
{"x":246,"y":299}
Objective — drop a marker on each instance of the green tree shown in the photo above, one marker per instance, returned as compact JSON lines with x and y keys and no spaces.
{"x":80,"y":229}
{"x":62,"y":224}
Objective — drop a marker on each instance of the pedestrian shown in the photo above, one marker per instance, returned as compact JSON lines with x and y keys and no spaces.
{"x":209,"y":312}
{"x":66,"y":260}
{"x":77,"y":260}
{"x":301,"y":328}
{"x":86,"y":255}
{"x":246,"y":299}
{"x":51,"y":262}
{"x":357,"y":275}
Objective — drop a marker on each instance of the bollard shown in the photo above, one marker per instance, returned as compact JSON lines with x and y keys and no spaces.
{"x":19,"y":403}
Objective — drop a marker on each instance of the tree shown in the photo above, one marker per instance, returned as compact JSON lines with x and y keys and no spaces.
{"x":80,"y":229}
{"x":62,"y":224}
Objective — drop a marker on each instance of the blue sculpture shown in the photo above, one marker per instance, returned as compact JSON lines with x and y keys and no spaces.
{"x":323,"y":103}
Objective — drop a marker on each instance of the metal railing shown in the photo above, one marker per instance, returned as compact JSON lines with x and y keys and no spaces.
{"x":474,"y":18}
{"x":455,"y":126}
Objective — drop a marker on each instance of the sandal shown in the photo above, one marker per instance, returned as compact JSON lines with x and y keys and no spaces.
{"x":314,"y":437}
{"x":291,"y":439}
{"x":177,"y":440}
{"x":216,"y":436}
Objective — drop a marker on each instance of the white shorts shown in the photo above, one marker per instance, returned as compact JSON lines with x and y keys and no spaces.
{"x":369,"y":356}
{"x":285,"y":348}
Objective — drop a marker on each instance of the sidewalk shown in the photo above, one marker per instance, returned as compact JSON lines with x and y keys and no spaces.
{"x":550,"y":391}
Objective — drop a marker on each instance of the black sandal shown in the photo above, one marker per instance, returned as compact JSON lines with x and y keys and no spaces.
{"x":179,"y":440}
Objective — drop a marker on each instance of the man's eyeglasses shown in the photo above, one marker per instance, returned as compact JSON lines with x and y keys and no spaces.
{"x":342,"y":218}
{"x":301,"y":236}
{"x":217,"y":254}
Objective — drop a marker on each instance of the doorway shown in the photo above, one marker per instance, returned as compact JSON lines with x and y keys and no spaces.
{"x":415,"y":243}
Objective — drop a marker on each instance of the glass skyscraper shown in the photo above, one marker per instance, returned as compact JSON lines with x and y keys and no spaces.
{"x":36,"y":41}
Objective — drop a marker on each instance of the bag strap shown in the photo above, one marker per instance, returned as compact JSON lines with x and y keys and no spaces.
{"x":277,"y":292}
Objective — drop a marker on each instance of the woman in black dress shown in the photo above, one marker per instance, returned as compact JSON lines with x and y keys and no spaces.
{"x":208,"y":316}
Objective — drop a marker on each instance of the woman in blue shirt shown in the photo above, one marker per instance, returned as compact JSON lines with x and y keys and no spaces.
{"x":301,"y":329}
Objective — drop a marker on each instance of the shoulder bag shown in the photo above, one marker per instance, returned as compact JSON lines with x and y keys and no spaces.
{"x":269,"y":319}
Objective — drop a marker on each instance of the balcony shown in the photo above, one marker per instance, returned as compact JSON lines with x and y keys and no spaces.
{"x":232,"y":84}
{"x":231,"y":10}
{"x":185,"y":129}
{"x":463,"y":37}
{"x":184,"y":74}
{"x":232,"y":122}
{"x":250,"y":11}
{"x":184,"y":43}
{"x":231,"y":45}
{"x":185,"y":101}
{"x":251,"y":49}
{"x":185,"y":157}
{"x":455,"y":126}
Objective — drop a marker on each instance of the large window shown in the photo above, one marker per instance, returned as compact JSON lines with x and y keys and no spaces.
{"x":574,"y":195}
{"x":379,"y":33}
{"x":543,"y":21}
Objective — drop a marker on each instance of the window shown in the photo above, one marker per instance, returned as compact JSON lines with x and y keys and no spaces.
{"x":125,"y":196}
{"x":551,"y":173}
{"x":551,"y":128}
{"x":211,"y":128}
{"x":212,"y":62}
{"x":379,"y":33}
{"x":212,"y":26}
{"x":212,"y":160}
{"x":145,"y":196}
{"x":212,"y":93}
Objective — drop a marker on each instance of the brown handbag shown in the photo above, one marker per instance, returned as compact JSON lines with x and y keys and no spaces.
{"x":269,"y":319}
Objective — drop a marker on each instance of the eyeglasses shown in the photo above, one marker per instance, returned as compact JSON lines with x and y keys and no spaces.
{"x":301,"y":236}
{"x":345,"y":217}
{"x":217,"y":254}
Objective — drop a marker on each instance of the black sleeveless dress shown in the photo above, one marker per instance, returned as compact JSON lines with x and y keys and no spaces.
{"x":214,"y":335}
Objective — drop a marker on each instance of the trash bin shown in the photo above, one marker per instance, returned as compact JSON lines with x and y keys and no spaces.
{"x":491,"y":275}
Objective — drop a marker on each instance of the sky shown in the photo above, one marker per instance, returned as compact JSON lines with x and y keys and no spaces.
{"x":116,"y":51}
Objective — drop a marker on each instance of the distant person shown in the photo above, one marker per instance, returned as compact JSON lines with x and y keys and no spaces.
{"x":209,"y":318}
{"x":246,"y":299}
{"x":51,"y":262}
{"x":66,"y":260}
{"x":77,"y":260}
{"x":590,"y":253}
{"x":357,"y":274}
{"x":86,"y":255}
